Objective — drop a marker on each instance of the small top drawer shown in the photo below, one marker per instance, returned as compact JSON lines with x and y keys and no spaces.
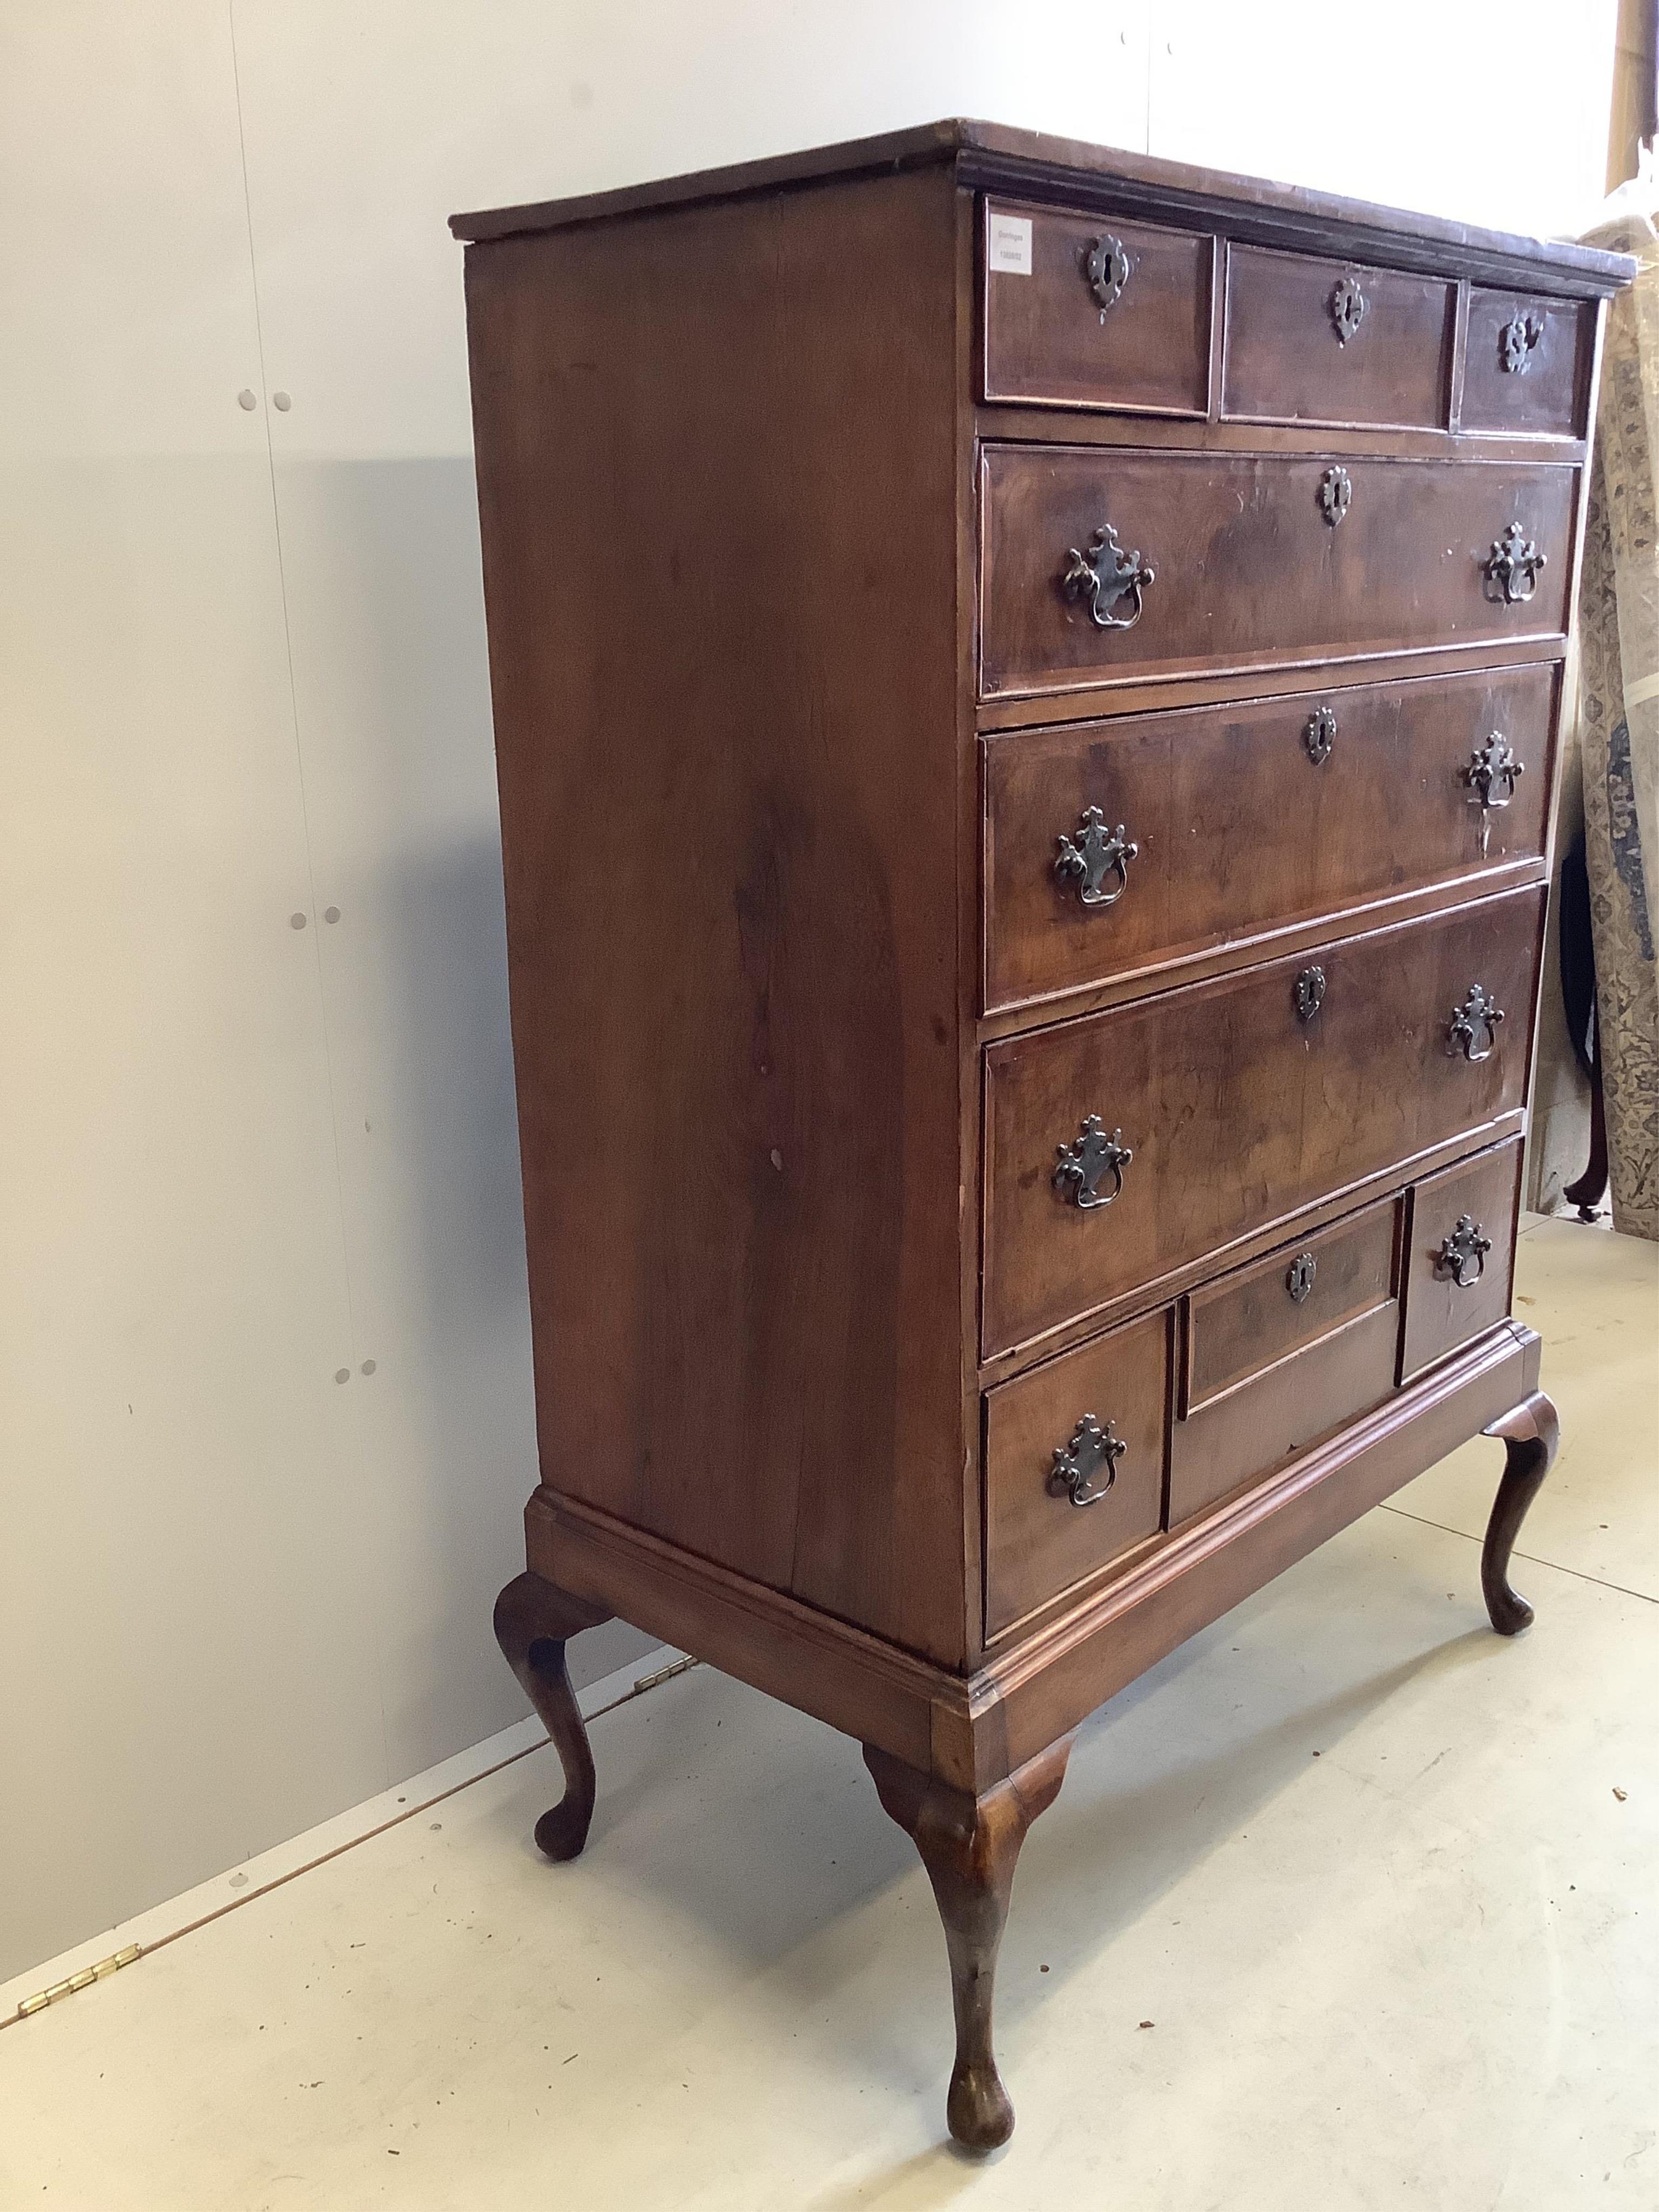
{"x":1330,"y":341}
{"x":1526,"y":364}
{"x":1084,"y":311}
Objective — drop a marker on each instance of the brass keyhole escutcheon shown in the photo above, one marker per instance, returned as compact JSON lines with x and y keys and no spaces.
{"x":1347,"y":308}
{"x":1299,"y":1276}
{"x":1336,"y":495}
{"x":1106,"y":266}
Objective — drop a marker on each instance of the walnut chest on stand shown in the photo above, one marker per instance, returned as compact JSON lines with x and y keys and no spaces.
{"x":1026,"y":683}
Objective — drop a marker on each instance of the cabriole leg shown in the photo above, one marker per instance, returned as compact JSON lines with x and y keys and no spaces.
{"x":534,"y":1619}
{"x":970,"y":1846}
{"x":1532,"y":1432}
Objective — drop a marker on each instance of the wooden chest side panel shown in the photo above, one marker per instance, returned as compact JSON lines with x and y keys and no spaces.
{"x":716,"y":480}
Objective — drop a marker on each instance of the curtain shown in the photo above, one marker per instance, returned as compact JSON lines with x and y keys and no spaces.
{"x":1618,"y":710}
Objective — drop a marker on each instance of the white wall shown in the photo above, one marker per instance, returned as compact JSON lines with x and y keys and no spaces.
{"x":242,"y":678}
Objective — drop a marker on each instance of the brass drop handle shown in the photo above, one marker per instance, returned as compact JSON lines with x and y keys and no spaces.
{"x":1516,"y":342}
{"x":1462,"y":1255}
{"x":1093,"y":857}
{"x":1083,"y":1165}
{"x":1077,"y":1463}
{"x":1493,"y":773}
{"x":1472,"y":1029}
{"x":1512,"y":567}
{"x":1105,"y":575}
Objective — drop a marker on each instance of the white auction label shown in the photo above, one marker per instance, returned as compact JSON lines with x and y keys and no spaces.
{"x":1010,"y":246}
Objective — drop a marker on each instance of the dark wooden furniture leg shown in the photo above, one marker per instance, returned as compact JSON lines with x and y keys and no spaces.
{"x":969,"y":1846}
{"x":534,"y":1619}
{"x":1532,"y":1432}
{"x":1591,"y":1187}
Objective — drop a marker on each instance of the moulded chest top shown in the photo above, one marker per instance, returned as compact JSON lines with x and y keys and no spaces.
{"x":1038,"y":165}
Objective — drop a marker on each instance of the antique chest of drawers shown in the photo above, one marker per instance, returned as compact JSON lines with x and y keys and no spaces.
{"x":1026,"y":683}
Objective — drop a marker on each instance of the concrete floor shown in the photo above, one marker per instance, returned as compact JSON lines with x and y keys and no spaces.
{"x":1350,"y":1903}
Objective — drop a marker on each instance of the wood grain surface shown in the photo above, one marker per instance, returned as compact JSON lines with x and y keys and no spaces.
{"x":1249,"y":574}
{"x":725,"y":672}
{"x":1240,"y":830}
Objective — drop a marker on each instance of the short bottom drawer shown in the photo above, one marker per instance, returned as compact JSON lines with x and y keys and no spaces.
{"x":1459,"y":1252}
{"x":1073,"y":1467}
{"x":1094,"y":1453}
{"x":1294,"y":1398}
{"x":1256,"y":1316}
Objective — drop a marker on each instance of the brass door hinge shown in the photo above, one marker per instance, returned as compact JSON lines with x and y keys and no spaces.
{"x":663,"y":1674}
{"x":83,"y":1980}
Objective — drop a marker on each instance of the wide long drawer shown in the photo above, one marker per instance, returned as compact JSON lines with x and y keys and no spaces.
{"x":1124,"y":1145}
{"x":1116,"y":846}
{"x":1101,"y":566}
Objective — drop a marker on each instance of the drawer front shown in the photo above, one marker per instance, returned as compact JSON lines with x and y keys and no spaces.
{"x":1269,"y":1420}
{"x":1092,"y":1423}
{"x":1262,"y":1314}
{"x":1236,"y":1110}
{"x":1458,"y":1253}
{"x":1247,"y":817}
{"x":1330,"y":341}
{"x":1526,"y":368}
{"x":1084,"y":310}
{"x":1232,"y":564}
